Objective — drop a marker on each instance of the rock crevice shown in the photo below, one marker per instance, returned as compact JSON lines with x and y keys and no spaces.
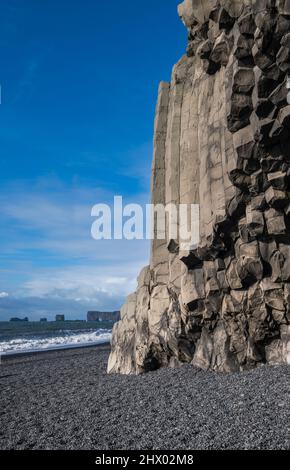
{"x":221,"y":140}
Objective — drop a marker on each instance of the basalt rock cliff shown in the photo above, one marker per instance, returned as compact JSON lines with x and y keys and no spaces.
{"x":222,"y":140}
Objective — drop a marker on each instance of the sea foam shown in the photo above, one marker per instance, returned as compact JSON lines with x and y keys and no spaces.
{"x":61,"y":341}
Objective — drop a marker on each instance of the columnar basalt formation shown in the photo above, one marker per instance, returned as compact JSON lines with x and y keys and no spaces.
{"x":222,"y":140}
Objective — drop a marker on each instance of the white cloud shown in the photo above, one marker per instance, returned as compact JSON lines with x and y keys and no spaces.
{"x":52,"y":257}
{"x":59,"y":222}
{"x":82,"y":283}
{"x":71,"y":291}
{"x":3,"y":295}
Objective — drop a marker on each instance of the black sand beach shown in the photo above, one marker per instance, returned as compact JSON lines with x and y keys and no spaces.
{"x":65,"y":400}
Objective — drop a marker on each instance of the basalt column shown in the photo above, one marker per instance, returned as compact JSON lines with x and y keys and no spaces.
{"x":222,"y":140}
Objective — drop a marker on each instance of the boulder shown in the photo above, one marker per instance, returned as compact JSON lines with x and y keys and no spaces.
{"x":278,"y":180}
{"x":255,"y":222}
{"x":243,"y":80}
{"x":276,"y":198}
{"x":192,"y":288}
{"x":221,"y":50}
{"x":275,"y":222}
{"x":284,"y":7}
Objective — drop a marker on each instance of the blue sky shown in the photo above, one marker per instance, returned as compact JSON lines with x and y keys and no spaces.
{"x":79,"y":83}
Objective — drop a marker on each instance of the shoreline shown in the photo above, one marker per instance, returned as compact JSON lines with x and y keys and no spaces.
{"x":32,"y":352}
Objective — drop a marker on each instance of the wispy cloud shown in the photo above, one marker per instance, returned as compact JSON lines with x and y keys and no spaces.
{"x":48,"y":253}
{"x":59,"y":221}
{"x":72,"y":291}
{"x":84,"y":283}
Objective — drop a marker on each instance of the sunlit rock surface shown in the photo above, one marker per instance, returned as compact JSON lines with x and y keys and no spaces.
{"x":221,"y":140}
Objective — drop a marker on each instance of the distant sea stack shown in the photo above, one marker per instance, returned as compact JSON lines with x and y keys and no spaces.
{"x":59,"y":318}
{"x":222,"y":140}
{"x":16,"y":319}
{"x":104,"y":316}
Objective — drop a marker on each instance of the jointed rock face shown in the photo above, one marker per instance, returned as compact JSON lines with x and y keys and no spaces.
{"x":222,"y":140}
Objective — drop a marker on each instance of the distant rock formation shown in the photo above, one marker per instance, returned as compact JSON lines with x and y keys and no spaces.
{"x":222,"y":140}
{"x":59,"y":318}
{"x":16,"y":319}
{"x":103,"y":316}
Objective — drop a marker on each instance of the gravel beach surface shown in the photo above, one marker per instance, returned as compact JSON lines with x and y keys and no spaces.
{"x":65,"y":400}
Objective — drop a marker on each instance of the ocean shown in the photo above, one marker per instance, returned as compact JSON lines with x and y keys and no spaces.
{"x":19,"y":337}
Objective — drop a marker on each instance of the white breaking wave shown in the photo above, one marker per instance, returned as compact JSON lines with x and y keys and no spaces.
{"x":69,"y":339}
